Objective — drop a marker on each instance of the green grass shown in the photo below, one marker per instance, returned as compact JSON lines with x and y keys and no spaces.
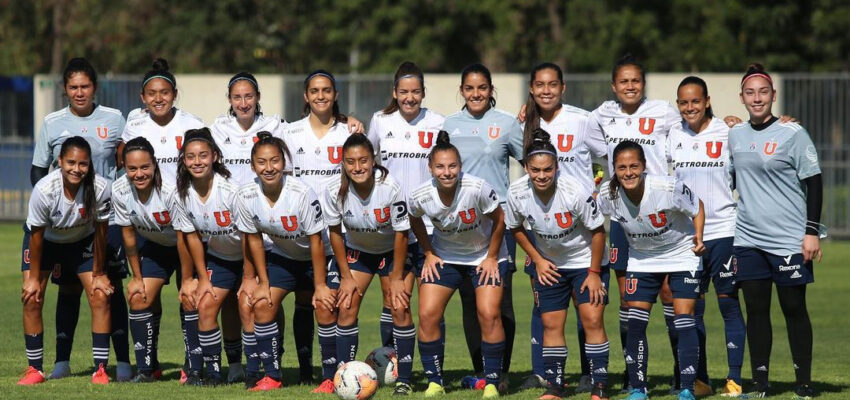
{"x":829,"y":318}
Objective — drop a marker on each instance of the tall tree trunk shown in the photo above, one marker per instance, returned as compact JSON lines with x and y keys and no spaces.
{"x":60,"y":8}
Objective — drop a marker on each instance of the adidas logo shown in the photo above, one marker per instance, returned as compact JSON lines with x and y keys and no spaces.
{"x":335,"y":279}
{"x":629,"y":360}
{"x":796,"y":366}
{"x":300,"y":150}
{"x":549,"y":372}
{"x":265,"y":355}
{"x":118,"y":332}
{"x":406,"y":359}
{"x":348,"y":214}
{"x":429,"y":372}
{"x":61,"y":335}
{"x":762,"y":368}
{"x":494,"y":375}
{"x":227,"y":141}
{"x":139,"y":346}
{"x":796,"y":275}
{"x":600,"y":371}
{"x":731,"y":346}
{"x":56,"y":213}
{"x":389,"y":135}
{"x":679,"y":147}
{"x":689,"y":371}
{"x":132,"y":213}
{"x":534,"y":341}
{"x":329,"y":361}
{"x":196,"y":350}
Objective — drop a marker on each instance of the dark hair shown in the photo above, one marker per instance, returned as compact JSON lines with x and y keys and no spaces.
{"x":265,"y":138}
{"x":443,"y":143}
{"x":756,"y":69}
{"x":532,"y":111}
{"x":478,"y":69}
{"x":159,"y":70}
{"x":141,"y":144}
{"x":407,"y":69}
{"x":358,"y":140}
{"x":338,"y":116}
{"x":625,"y":145}
{"x":89,"y":195}
{"x":539,"y":143}
{"x":247,"y":77}
{"x":695,"y":80}
{"x":184,"y":178}
{"x":79,"y":64}
{"x":627,"y":60}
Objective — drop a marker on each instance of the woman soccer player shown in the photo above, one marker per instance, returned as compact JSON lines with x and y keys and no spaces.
{"x":371,"y":206}
{"x":663,"y":222}
{"x":101,"y":126}
{"x":287,"y":212}
{"x":567,"y":254}
{"x":776,"y":236}
{"x":403,"y":133}
{"x":206,"y":214}
{"x":699,"y":150}
{"x":485,"y":137}
{"x":68,"y":217}
{"x":467,"y":244}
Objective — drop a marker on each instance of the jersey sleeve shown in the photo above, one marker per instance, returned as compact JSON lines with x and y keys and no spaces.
{"x":685,"y":200}
{"x":515,"y":143}
{"x":804,"y":155}
{"x":312,"y":212}
{"x":374,"y":136}
{"x":182,"y":221}
{"x":104,"y":203}
{"x":415,"y":208}
{"x":398,"y":211}
{"x":244,"y":217}
{"x":42,"y":155}
{"x":594,"y":140}
{"x":330,"y":207}
{"x":488,"y":200}
{"x":119,"y":204}
{"x":595,"y":132}
{"x":602,"y":200}
{"x":514,"y":217}
{"x":38,"y":214}
{"x":127,"y":133}
{"x":588,"y":210}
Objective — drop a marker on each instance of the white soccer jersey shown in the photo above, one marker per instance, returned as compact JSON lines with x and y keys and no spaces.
{"x":151,"y":219}
{"x":315,"y":160}
{"x":166,"y":140}
{"x":562,"y":227}
{"x":462,"y":230}
{"x":370,"y":223}
{"x":660,"y":229}
{"x":576,"y":147}
{"x":700,"y":160}
{"x":648,"y":126}
{"x":214,"y":220}
{"x":66,"y":220}
{"x":288,"y":224}
{"x":236,"y":143}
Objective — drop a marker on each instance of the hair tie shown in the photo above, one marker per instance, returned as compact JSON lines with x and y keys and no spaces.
{"x":244,"y":78}
{"x":760,"y":74}
{"x":158,"y":76}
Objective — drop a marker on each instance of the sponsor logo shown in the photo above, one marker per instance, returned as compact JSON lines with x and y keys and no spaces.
{"x":796,"y":275}
{"x":762,"y":368}
{"x":731,"y":346}
{"x":300,"y":151}
{"x":789,"y":267}
{"x":138,"y":346}
{"x":787,"y":259}
{"x":689,"y":371}
{"x":691,"y":280}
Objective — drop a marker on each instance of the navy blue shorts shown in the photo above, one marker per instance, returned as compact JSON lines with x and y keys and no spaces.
{"x":510,"y":243}
{"x":557,"y":297}
{"x":452,"y":275}
{"x":224,"y":274}
{"x":644,"y":286}
{"x":753,"y":264}
{"x":116,"y":261}
{"x":67,"y":260}
{"x":415,"y":258}
{"x":288,"y":274}
{"x":159,"y":261}
{"x":529,"y":267}
{"x":618,"y":256}
{"x":717,"y":266}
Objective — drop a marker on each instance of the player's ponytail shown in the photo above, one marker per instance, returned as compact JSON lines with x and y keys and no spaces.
{"x":356,"y":140}
{"x":89,"y":195}
{"x":626,"y":145}
{"x":479,"y":69}
{"x":160,"y":70}
{"x":532,"y":110}
{"x":265,"y":138}
{"x":184,"y":178}
{"x":141,"y":144}
{"x":627,"y":60}
{"x":443,"y":143}
{"x":338,"y":116}
{"x":244,"y":76}
{"x":756,"y":70}
{"x":407,"y":69}
{"x":695,"y":80}
{"x":540,"y":143}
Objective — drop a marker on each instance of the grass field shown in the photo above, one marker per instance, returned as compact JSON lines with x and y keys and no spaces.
{"x":831,"y":370}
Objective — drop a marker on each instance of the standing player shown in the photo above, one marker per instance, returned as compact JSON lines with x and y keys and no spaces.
{"x":101,"y":126}
{"x":776,"y":236}
{"x":403,"y":132}
{"x":467,"y":245}
{"x":655,"y":213}
{"x":485,"y":137}
{"x":698,"y":148}
{"x":68,"y":216}
{"x":371,"y":206}
{"x":568,"y":258}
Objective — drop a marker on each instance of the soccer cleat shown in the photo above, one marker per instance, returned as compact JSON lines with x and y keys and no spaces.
{"x":702,"y":389}
{"x":490,"y":391}
{"x":731,"y":389}
{"x":32,"y":376}
{"x":194,"y":379}
{"x":267,"y":383}
{"x":803,"y":392}
{"x":183,"y":377}
{"x":585,"y":384}
{"x":598,"y":392}
{"x":434,"y":389}
{"x":123,"y":372}
{"x":627,"y":388}
{"x":533,"y":381}
{"x":213,"y":380}
{"x":327,"y":386}
{"x":503,"y":383}
{"x":759,"y":391}
{"x":62,"y":369}
{"x":143,"y":377}
{"x":686,"y":394}
{"x":235,"y":373}
{"x":637,"y":394}
{"x":674,"y":386}
{"x":306,"y":379}
{"x":100,"y":377}
{"x":251,"y":379}
{"x":402,"y":389}
{"x":553,"y":393}
{"x":157,"y":374}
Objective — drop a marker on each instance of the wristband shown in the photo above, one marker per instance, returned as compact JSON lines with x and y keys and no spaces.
{"x":595,"y":271}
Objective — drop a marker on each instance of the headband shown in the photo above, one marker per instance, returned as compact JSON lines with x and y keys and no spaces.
{"x":759,"y":74}
{"x":552,"y":153}
{"x":421,"y":80}
{"x":197,"y":137}
{"x":244,"y":78}
{"x":325,"y":74}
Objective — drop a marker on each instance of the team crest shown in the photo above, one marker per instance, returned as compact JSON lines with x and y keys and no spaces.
{"x":658,"y":220}
{"x":382,"y":215}
{"x":289,"y":223}
{"x":770,"y":147}
{"x":163,"y":140}
{"x":179,"y":140}
{"x":426,"y":139}
{"x":565,"y":219}
{"x":383,"y":263}
{"x":631,"y":285}
{"x":335,"y":154}
{"x":467,"y":216}
{"x":102,"y":132}
{"x":494,"y":131}
{"x":407,"y":135}
{"x":696,"y":146}
{"x":352,"y":256}
{"x":713,"y":149}
{"x":83,"y":213}
{"x":222,"y":218}
{"x":646,"y":125}
{"x":565,"y":142}
{"x":612,"y":255}
{"x":57,"y":271}
{"x":162,"y":218}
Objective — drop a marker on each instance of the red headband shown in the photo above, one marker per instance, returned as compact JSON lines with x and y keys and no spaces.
{"x":759,"y":74}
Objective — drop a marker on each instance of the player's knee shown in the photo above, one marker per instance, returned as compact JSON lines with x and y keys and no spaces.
{"x":99,"y":301}
{"x":33,"y":308}
{"x":489,"y":317}
{"x":347,"y":316}
{"x":592,"y":322}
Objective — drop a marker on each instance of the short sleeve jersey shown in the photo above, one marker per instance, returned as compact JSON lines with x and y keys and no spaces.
{"x":462,"y":229}
{"x":485,"y":143}
{"x":214,"y":219}
{"x":236,"y":143}
{"x":288,"y":223}
{"x":370,"y":223}
{"x":574,"y":144}
{"x":660,"y":229}
{"x":648,"y":126}
{"x":102,"y":129}
{"x":315,"y":160}
{"x":701,"y":160}
{"x":66,"y":220}
{"x":768,"y":165}
{"x":166,"y":140}
{"x":151,"y":219}
{"x":562,"y":227}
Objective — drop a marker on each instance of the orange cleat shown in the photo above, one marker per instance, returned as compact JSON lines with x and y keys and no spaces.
{"x":327,"y":386}
{"x":183,"y":377}
{"x":100,"y":377}
{"x":31,"y":377}
{"x":267,"y":383}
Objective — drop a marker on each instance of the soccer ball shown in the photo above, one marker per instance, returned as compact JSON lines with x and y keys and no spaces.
{"x":385,"y":363}
{"x":355,"y":380}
